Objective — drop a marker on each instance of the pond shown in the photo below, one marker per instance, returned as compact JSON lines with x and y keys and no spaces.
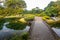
{"x":5,"y":28}
{"x":6,"y":32}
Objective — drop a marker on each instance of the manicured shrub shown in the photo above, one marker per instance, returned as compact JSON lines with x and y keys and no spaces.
{"x":29,"y":17}
{"x":37,"y":15}
{"x":45,"y":17}
{"x":50,"y":22}
{"x":22,"y":20}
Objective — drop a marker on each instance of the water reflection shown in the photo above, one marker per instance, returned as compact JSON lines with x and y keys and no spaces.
{"x":4,"y":26}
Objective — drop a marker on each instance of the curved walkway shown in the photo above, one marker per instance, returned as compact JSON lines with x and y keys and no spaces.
{"x":40,"y":31}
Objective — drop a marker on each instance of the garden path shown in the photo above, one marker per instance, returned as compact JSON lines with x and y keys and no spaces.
{"x":40,"y":30}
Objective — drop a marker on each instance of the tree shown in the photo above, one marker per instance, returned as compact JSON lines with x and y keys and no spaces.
{"x":37,"y":10}
{"x":15,"y":3}
{"x":1,"y":10}
{"x":14,"y":7}
{"x":53,"y":8}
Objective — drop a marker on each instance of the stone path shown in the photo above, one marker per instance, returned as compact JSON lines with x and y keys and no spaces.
{"x":40,"y":31}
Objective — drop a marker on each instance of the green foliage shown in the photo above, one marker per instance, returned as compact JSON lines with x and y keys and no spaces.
{"x":1,"y":23}
{"x":3,"y":20}
{"x":25,"y":36}
{"x":16,"y":8}
{"x":45,"y":17}
{"x":9,"y":11}
{"x":1,"y":10}
{"x":36,"y":10}
{"x":12,"y":7}
{"x":42,"y":14}
{"x":29,"y":17}
{"x":16,"y":25}
{"x":53,"y":8}
{"x":37,"y":15}
{"x":54,"y":23}
{"x":15,"y":3}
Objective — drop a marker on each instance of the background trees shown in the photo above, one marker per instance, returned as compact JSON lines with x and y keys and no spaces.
{"x":13,"y":7}
{"x":53,"y":8}
{"x":17,"y":7}
{"x":15,"y":3}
